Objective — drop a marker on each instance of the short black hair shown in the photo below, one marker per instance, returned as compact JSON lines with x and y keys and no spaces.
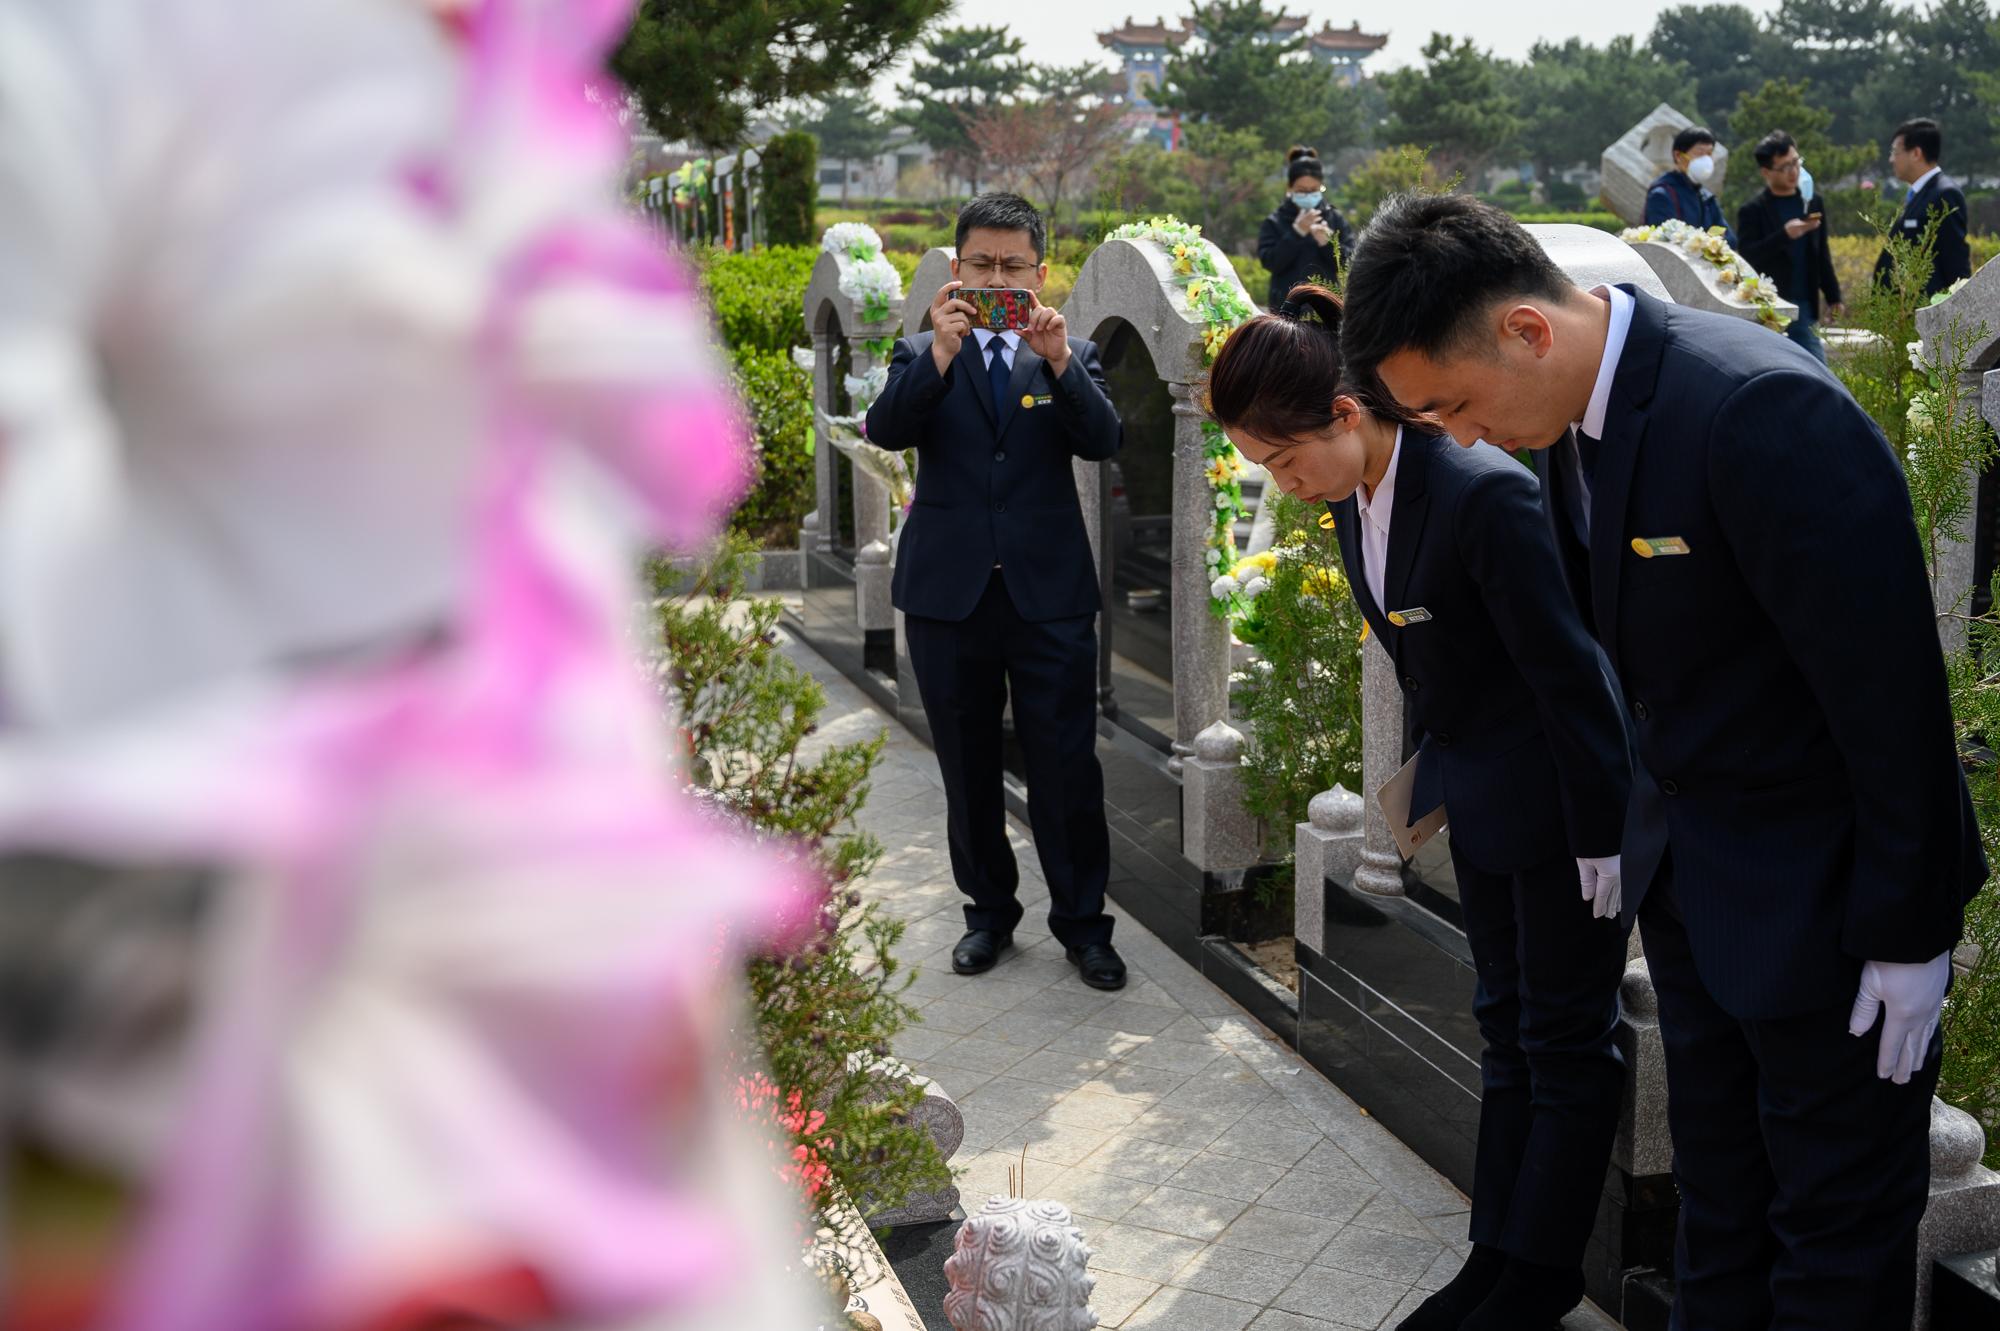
{"x":1427,"y":271}
{"x":1773,"y":146}
{"x":1002,"y":212}
{"x":1922,"y":135}
{"x":1693,"y":137}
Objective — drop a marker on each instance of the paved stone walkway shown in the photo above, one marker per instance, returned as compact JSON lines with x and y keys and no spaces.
{"x":1221,"y":1181}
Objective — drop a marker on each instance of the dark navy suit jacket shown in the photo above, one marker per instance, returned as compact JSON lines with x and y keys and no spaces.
{"x":1953,"y":257}
{"x":995,"y":490}
{"x":1518,"y":730}
{"x":1784,"y":679}
{"x":1675,"y":195}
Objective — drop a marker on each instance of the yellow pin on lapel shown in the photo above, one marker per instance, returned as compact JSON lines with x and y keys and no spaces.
{"x":1326,"y":522}
{"x":1027,"y":400}
{"x":1646,"y":547}
{"x":1405,"y":618}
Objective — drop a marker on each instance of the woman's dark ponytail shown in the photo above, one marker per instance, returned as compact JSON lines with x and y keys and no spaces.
{"x":1276,"y":376}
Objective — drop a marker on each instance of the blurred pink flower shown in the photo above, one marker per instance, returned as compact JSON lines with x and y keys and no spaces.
{"x":339,"y":398}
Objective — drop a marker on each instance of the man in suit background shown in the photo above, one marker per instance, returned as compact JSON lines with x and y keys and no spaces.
{"x":1913,"y":156}
{"x":1800,"y":844}
{"x":1784,"y":236}
{"x":997,"y":586}
{"x":1682,"y":193}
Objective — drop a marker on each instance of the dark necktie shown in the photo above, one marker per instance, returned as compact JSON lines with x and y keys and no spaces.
{"x":997,"y":374}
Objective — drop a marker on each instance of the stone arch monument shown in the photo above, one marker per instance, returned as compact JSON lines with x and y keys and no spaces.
{"x":839,"y":329}
{"x":1132,"y":283}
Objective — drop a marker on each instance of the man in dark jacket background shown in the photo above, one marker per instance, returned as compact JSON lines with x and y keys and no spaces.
{"x":1682,"y":194}
{"x":1305,"y":239}
{"x":1783,"y":233}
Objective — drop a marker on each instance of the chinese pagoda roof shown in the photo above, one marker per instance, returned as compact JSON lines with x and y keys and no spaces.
{"x":1351,"y":38}
{"x":1143,"y":34}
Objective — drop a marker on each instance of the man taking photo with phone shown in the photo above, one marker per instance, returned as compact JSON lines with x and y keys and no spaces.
{"x":1783,"y":233}
{"x":995,"y":579}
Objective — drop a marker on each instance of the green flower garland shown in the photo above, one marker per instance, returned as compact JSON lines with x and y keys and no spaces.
{"x":1219,"y":303}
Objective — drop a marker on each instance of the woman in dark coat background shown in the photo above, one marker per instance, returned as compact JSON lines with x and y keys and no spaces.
{"x":1306,"y":239}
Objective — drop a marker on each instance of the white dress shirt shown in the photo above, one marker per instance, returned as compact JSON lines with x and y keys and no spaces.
{"x":1592,"y":423}
{"x":1011,"y":338}
{"x":1375,"y":511}
{"x":1922,"y":181}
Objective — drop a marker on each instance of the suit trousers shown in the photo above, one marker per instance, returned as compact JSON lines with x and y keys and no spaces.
{"x":966,"y":670}
{"x":1802,"y":1174}
{"x":1552,"y":1077}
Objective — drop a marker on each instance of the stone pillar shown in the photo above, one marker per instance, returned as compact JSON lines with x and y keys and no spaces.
{"x":1217,"y":832}
{"x":1381,"y":869}
{"x":824,"y":453}
{"x":872,"y":576}
{"x":1327,"y":845}
{"x":1971,"y":317}
{"x":1090,"y":497}
{"x":808,"y":541}
{"x":1642,"y":1147}
{"x":1201,"y":641}
{"x":1964,"y":1210}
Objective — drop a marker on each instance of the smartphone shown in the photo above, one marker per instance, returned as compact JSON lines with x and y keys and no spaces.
{"x":999,"y":308}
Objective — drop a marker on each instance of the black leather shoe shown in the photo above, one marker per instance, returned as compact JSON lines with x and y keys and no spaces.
{"x":1100,"y":964}
{"x":978,"y":950}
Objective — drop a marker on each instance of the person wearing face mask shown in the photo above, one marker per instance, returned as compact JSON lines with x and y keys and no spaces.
{"x":1305,"y":239}
{"x":1682,"y":194}
{"x":1518,"y":733}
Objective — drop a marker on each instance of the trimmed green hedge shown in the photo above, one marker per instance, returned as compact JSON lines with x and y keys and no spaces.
{"x":759,"y":298}
{"x":1603,"y":221}
{"x":779,"y":397}
{"x":791,"y":188}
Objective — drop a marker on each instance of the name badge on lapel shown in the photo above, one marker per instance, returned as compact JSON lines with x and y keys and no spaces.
{"x":1414,"y":615}
{"x":1648,"y":546}
{"x":1030,"y":400}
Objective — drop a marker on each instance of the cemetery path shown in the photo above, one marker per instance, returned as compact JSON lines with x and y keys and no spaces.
{"x":1222,"y":1183}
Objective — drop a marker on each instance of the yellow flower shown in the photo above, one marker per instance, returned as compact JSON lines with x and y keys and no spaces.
{"x":1265,"y":563}
{"x":1220,"y":473}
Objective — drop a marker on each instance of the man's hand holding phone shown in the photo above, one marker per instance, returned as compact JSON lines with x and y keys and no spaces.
{"x":951,"y":320}
{"x":1047,"y":335}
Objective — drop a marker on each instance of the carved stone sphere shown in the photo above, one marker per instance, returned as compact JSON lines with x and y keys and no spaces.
{"x":1019,"y":1266}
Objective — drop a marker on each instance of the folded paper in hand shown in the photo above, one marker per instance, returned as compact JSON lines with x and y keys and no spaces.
{"x":1394,"y":797}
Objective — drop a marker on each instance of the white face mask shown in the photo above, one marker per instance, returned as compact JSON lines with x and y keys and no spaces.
{"x":1701,"y":169}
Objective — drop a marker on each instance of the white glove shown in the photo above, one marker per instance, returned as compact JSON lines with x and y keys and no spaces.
{"x":1909,"y":994}
{"x":1603,"y":886}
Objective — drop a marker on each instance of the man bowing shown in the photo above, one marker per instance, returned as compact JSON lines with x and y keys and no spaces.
{"x":1800,"y":844}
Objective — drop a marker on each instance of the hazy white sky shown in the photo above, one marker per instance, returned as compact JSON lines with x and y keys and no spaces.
{"x":1065,"y":31}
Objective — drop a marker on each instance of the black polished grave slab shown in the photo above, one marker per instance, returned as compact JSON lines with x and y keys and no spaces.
{"x":1965,"y":1292}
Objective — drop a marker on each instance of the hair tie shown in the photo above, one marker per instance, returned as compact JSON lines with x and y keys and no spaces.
{"x":1290,"y":310}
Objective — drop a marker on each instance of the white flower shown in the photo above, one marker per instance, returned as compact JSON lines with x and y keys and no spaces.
{"x":1916,"y":354}
{"x":1214,"y":557}
{"x":1223,"y":499}
{"x":1255,"y":587}
{"x":852,"y":240}
{"x":1919,"y":416}
{"x":1223,"y":587}
{"x":875,"y":283}
{"x":865,"y":388}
